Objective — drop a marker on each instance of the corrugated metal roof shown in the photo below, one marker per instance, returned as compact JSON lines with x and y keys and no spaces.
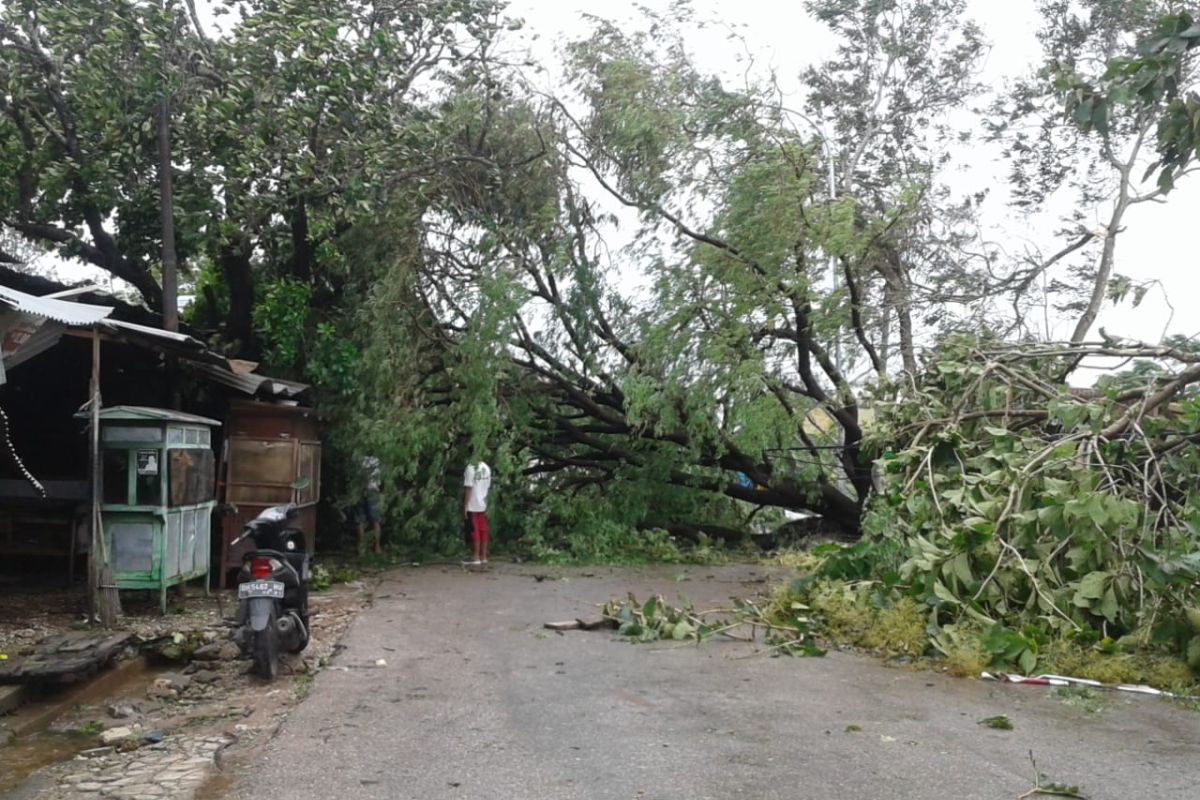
{"x":251,"y":384}
{"x":148,"y":413}
{"x":154,"y":333}
{"x":179,"y":344}
{"x":64,"y":311}
{"x":83,"y":315}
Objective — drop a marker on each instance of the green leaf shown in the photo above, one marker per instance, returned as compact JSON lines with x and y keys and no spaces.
{"x":1109,"y":608}
{"x":649,"y":608}
{"x":1166,"y":179}
{"x":1091,"y":587}
{"x":998,"y":722}
{"x":1193,"y":653}
{"x":962,"y":569}
{"x":1083,"y":113}
{"x":1027,"y":661}
{"x":944,"y":594}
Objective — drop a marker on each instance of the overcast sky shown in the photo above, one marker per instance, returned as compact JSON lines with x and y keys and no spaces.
{"x":783,"y":37}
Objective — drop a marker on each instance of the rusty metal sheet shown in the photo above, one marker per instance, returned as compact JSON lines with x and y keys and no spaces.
{"x":64,"y":311}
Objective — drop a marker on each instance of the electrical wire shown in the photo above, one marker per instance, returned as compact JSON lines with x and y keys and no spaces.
{"x":16,"y":459}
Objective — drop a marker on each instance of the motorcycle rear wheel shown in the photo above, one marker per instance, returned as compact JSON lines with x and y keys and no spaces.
{"x":265,"y":651}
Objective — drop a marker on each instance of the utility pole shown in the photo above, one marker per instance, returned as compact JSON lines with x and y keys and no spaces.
{"x":166,"y":189}
{"x":170,"y":266}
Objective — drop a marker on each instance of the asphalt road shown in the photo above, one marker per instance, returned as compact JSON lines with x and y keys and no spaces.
{"x":477,"y":701}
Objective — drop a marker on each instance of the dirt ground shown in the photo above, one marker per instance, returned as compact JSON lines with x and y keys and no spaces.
{"x":177,"y":716}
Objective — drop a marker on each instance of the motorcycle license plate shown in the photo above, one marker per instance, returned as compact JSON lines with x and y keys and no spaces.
{"x":273,"y":589}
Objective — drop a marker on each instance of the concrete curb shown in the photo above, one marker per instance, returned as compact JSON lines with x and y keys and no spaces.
{"x":11,"y":698}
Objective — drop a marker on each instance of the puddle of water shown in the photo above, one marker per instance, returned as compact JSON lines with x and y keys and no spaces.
{"x":22,"y":757}
{"x":128,"y":679}
{"x":34,"y":746}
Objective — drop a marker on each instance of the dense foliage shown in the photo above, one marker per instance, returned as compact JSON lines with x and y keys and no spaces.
{"x":1018,"y":513}
{"x":660,"y":302}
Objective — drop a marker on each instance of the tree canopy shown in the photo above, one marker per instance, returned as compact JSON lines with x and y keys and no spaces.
{"x":655,"y":297}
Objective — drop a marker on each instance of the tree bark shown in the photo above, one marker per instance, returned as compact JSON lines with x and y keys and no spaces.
{"x":1103,"y":270}
{"x":1108,"y":255}
{"x":236,"y":267}
{"x":302,"y":252}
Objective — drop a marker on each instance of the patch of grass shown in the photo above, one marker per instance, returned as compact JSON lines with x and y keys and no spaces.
{"x":304,"y":684}
{"x":781,"y":603}
{"x":1161,"y":670}
{"x":898,"y":630}
{"x":1189,"y":703}
{"x":843,"y":618}
{"x":855,"y":615}
{"x":323,"y":578}
{"x":91,"y":728}
{"x":853,"y":728}
{"x":997,"y":723}
{"x":846,"y":618}
{"x":802,"y":561}
{"x":966,"y":658}
{"x":1090,"y":700}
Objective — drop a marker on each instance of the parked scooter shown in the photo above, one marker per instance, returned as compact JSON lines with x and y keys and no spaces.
{"x":272,"y":614}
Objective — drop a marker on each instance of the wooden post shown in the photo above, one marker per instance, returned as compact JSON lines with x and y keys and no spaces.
{"x":170,"y":273}
{"x":105,"y":602}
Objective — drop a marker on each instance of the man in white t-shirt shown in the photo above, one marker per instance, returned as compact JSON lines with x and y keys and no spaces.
{"x":477,"y":480}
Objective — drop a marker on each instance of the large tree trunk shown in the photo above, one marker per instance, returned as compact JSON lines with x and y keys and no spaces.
{"x":302,"y":252}
{"x":235,"y":264}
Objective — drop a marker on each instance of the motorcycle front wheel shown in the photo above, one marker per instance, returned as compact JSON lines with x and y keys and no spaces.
{"x":265,"y":652}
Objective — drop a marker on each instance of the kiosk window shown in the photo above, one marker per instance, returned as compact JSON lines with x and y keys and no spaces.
{"x":116,"y":477}
{"x":192,"y":474}
{"x":149,"y":479}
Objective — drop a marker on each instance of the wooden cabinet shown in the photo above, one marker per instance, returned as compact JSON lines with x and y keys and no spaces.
{"x":271,"y":456}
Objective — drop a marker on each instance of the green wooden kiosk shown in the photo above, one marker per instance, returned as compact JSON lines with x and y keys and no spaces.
{"x":159,"y":490}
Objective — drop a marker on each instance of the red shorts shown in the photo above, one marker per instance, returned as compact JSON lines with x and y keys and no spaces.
{"x":479,"y":529}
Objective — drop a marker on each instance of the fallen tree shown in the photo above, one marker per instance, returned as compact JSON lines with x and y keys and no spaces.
{"x":1019,"y":513}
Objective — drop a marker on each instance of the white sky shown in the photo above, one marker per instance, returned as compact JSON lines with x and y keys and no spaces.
{"x":782,"y":37}
{"x":779,"y":33}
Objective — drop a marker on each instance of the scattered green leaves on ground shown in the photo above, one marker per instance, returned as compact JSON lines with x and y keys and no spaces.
{"x":744,"y":620}
{"x":1090,"y":700}
{"x":1044,"y":786}
{"x":998,"y":723}
{"x":323,"y":578}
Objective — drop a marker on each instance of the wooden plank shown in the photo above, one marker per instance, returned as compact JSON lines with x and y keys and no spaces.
{"x":596,"y":624}
{"x":569,"y":625}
